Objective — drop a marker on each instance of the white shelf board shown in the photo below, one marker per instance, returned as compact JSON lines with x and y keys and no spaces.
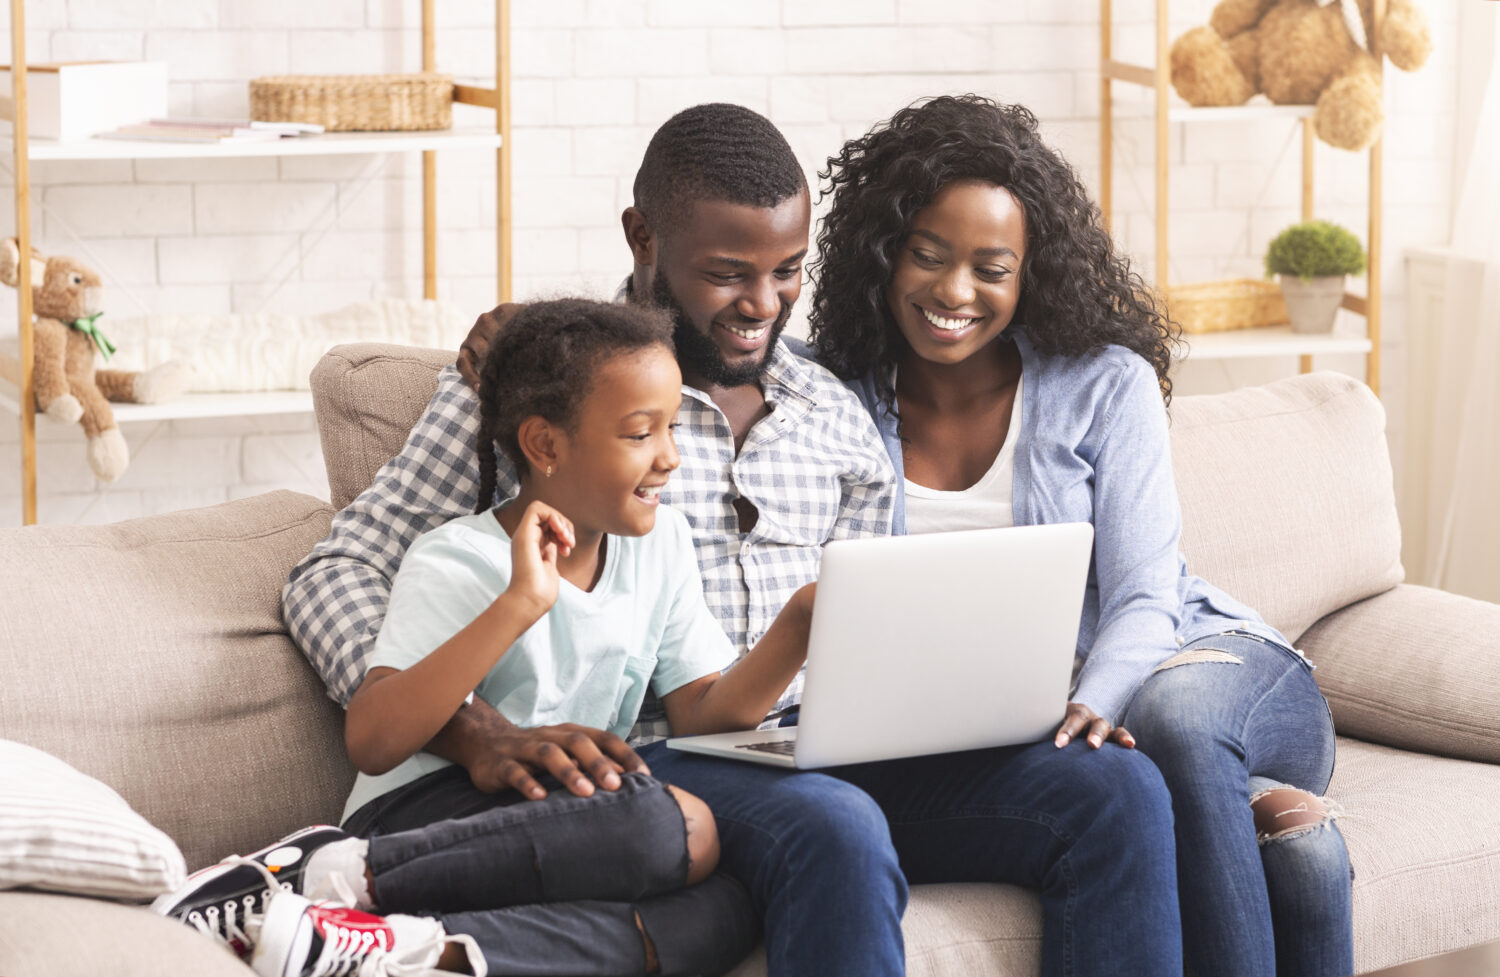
{"x":1239,"y":113}
{"x":1269,"y":341}
{"x":1137,"y":108}
{"x":191,"y":406}
{"x":327,"y":144}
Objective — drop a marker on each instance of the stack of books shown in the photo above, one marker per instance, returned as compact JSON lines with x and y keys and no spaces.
{"x":212,"y":130}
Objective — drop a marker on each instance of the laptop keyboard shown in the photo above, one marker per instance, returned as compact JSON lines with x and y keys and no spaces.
{"x":779,"y":747}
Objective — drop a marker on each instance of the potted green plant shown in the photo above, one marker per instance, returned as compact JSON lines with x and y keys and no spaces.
{"x":1311,"y":259}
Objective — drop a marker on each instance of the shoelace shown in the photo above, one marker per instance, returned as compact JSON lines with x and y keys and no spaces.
{"x":246,"y":910}
{"x":335,"y":890}
{"x":345,"y":951}
{"x":352,"y":953}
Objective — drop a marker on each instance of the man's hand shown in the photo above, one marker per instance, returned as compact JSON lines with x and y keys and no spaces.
{"x":578,"y":756}
{"x":499,"y":754}
{"x":1080,"y":717}
{"x":472,"y":352}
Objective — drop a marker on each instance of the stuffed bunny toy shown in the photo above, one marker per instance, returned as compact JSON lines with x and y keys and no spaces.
{"x":66,"y":302}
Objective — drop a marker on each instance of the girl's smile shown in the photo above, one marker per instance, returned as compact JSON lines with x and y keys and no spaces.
{"x":650,"y":494}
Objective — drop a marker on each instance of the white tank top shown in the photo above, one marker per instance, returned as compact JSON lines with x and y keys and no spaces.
{"x":984,"y":505}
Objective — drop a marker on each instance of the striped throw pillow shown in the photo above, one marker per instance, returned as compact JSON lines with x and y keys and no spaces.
{"x":64,"y":831}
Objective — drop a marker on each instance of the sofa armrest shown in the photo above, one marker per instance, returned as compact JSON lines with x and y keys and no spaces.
{"x":1414,"y":668}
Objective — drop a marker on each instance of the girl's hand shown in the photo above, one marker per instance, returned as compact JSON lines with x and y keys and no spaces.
{"x":1080,"y":717}
{"x":543,"y":535}
{"x":803,"y":599}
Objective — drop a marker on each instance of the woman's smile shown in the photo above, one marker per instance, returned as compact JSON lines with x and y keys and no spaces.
{"x":956,"y":279}
{"x":949,"y":325}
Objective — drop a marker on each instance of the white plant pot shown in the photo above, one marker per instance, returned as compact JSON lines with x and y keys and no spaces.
{"x":1312,"y":305}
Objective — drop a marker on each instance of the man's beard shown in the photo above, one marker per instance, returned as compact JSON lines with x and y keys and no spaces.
{"x":699,"y":355}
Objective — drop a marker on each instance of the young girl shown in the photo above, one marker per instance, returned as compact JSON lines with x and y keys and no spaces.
{"x":970,"y":295}
{"x":561,"y":605}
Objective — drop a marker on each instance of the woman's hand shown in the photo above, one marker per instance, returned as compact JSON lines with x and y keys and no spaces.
{"x":1080,"y":718}
{"x":543,"y":536}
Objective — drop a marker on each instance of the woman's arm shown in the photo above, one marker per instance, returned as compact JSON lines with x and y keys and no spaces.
{"x":397,"y":711}
{"x":1137,"y":523}
{"x":741,"y":697}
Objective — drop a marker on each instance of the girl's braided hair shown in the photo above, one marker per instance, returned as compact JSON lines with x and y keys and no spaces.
{"x":542,"y":363}
{"x":1077,"y":293}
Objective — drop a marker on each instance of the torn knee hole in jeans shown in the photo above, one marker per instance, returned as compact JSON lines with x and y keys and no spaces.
{"x":1287,"y":812}
{"x":1198,"y":656}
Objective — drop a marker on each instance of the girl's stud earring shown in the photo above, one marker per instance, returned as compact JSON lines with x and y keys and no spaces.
{"x":549,"y":471}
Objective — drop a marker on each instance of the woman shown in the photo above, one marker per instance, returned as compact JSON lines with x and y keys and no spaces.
{"x":1017,"y":369}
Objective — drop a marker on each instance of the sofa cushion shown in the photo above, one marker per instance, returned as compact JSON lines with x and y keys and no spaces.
{"x":961,"y":928}
{"x":1415,"y":668}
{"x":1422,"y":833}
{"x":1287,"y":497}
{"x":64,"y":831}
{"x":151,"y":654}
{"x":368,"y":397}
{"x":44,"y":935}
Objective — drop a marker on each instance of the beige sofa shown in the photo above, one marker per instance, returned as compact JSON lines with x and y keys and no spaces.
{"x":151,"y":654}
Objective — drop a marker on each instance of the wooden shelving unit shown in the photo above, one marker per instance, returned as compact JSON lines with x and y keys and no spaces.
{"x":24,"y":151}
{"x":1240,"y":343}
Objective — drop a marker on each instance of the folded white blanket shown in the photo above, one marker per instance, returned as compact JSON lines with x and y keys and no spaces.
{"x":245,"y":352}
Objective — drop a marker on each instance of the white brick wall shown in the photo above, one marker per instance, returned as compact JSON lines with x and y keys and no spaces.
{"x":591,"y":80}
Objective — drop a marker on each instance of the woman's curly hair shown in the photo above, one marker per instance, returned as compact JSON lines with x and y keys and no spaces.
{"x":542,"y":363}
{"x":1077,"y":293}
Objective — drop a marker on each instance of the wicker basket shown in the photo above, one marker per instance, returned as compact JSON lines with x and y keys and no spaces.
{"x":346,"y":103}
{"x":1240,"y":303}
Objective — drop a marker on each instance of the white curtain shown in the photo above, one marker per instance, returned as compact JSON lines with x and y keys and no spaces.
{"x":1461,"y":521}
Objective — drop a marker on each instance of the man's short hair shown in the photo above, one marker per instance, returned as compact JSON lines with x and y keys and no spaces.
{"x":714,"y":152}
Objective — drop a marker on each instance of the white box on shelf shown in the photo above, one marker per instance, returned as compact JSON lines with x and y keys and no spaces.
{"x":76,"y":99}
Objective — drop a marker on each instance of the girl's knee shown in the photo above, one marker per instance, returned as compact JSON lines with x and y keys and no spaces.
{"x":702,"y":834}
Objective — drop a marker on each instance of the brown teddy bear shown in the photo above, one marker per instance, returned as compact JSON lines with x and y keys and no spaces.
{"x":65,"y":299}
{"x":1301,"y":52}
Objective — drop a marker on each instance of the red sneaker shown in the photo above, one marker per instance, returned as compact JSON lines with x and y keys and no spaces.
{"x":301,"y":938}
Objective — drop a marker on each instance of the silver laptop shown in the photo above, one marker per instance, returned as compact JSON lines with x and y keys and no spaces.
{"x":930,"y":644}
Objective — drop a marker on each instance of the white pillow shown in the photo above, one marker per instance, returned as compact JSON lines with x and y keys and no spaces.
{"x":64,"y":831}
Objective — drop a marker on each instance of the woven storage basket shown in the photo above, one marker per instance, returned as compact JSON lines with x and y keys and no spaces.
{"x":346,"y":103}
{"x":1240,"y":303}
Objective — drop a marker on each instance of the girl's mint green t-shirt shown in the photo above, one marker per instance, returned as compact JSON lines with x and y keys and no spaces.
{"x":587,"y":661}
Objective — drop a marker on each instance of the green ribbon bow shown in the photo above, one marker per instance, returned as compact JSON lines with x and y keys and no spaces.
{"x":88,"y":328}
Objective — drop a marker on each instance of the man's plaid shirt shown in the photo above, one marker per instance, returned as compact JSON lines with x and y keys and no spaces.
{"x":814,"y":468}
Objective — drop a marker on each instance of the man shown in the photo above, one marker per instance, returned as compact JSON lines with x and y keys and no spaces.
{"x":777,"y":458}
